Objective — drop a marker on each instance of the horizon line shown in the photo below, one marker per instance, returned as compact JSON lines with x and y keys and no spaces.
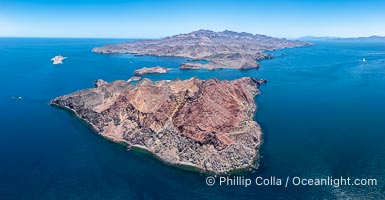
{"x":155,"y":38}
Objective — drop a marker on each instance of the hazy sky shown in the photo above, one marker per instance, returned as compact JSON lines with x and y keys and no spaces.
{"x":151,"y":19}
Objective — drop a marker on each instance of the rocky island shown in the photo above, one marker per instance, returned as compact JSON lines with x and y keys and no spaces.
{"x":134,"y":78}
{"x":58,"y":59}
{"x":151,"y":70}
{"x":225,"y":49}
{"x":206,"y":124}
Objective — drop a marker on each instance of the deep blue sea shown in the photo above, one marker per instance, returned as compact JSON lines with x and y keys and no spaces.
{"x":322,"y":114}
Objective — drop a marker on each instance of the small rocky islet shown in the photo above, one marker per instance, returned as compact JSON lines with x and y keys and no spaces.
{"x":57,"y":60}
{"x":206,"y":124}
{"x":151,"y":70}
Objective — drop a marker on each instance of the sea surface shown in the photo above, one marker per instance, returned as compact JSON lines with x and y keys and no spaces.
{"x":322,"y":114}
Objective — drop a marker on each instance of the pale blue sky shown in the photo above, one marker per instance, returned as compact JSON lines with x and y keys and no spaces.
{"x":152,"y":19}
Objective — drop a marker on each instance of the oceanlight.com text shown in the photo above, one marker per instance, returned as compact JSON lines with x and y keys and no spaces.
{"x":289,"y":181}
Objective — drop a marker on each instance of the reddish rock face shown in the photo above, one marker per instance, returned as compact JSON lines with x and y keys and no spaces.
{"x":207,"y":124}
{"x":217,"y":110}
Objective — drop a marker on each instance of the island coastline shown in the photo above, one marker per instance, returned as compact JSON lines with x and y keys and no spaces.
{"x":199,"y":167}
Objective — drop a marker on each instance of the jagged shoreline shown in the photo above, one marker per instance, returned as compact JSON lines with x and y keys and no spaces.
{"x":140,"y":149}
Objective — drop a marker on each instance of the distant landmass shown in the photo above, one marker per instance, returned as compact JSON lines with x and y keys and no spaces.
{"x":225,"y":49}
{"x":371,"y":38}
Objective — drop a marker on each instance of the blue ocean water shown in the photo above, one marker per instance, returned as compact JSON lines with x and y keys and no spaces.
{"x":322,"y":114}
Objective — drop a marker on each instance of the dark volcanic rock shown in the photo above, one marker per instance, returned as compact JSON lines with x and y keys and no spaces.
{"x":225,"y":49}
{"x":207,"y":124}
